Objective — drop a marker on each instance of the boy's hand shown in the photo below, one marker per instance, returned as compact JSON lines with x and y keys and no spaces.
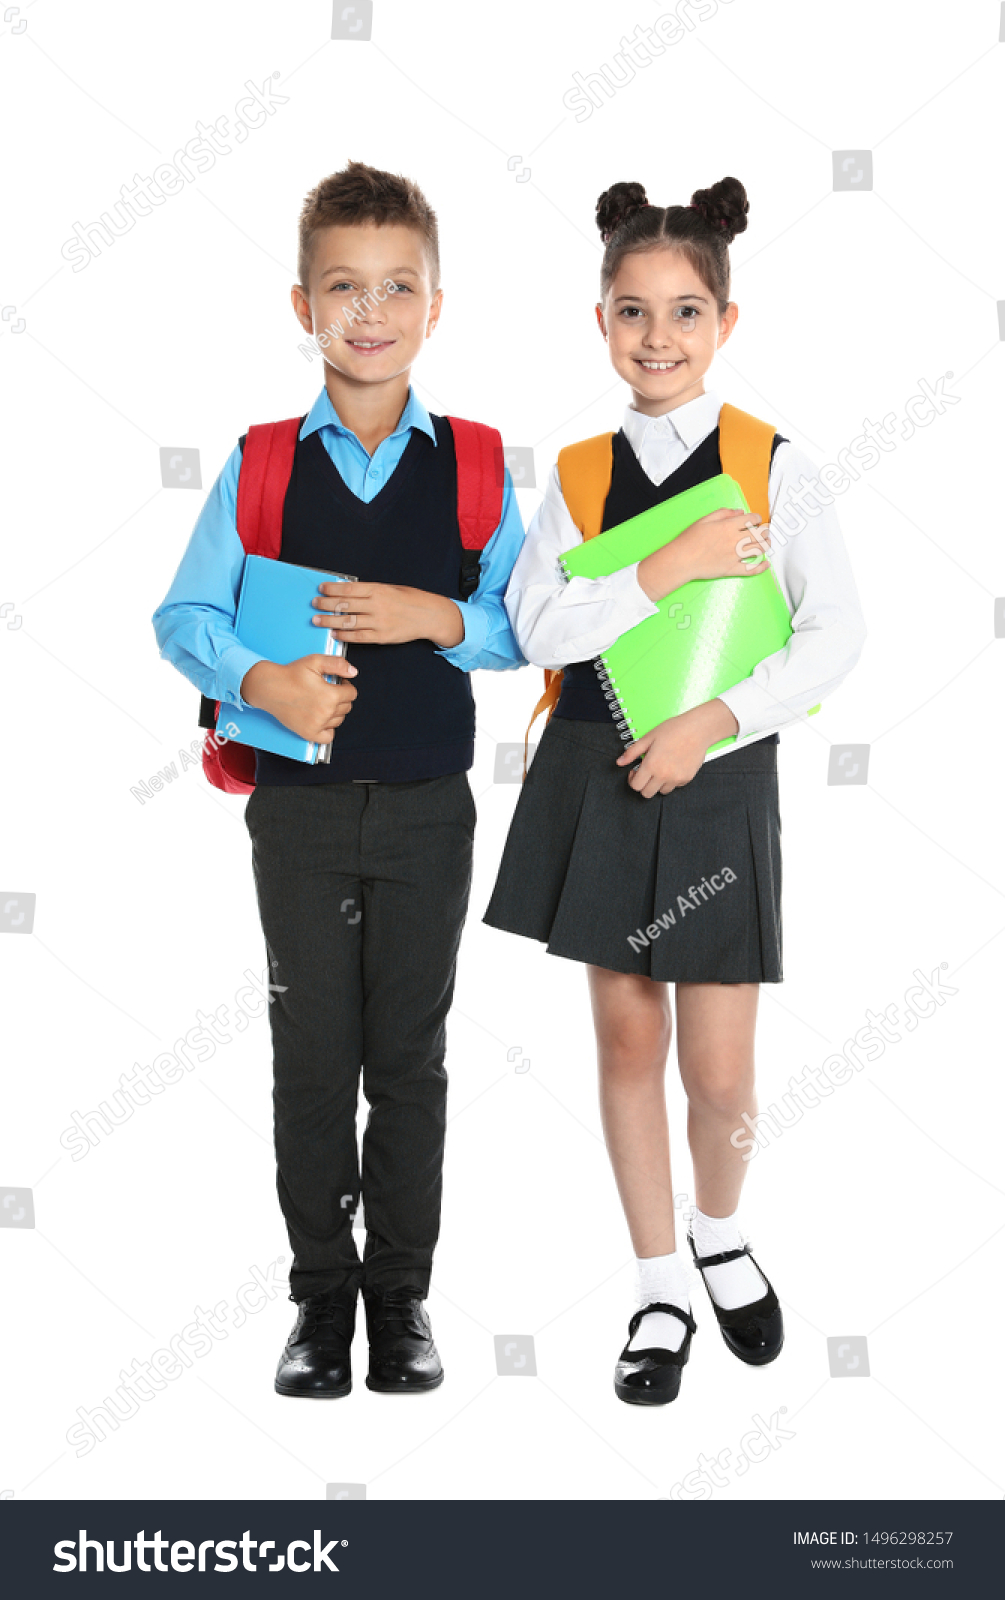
{"x":387,"y":613}
{"x":298,"y":696}
{"x":716,"y":546}
{"x":673,"y":752}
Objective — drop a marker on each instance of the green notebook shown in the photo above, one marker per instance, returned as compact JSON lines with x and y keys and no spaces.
{"x":706,"y":636}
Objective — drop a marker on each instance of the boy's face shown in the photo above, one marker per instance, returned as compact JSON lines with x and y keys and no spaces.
{"x":369,"y":332}
{"x":663,"y":328}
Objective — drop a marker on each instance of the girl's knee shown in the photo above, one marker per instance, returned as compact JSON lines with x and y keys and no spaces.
{"x":724,"y":1088}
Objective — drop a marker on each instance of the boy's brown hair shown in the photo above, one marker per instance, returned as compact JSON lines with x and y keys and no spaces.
{"x":364,"y":194}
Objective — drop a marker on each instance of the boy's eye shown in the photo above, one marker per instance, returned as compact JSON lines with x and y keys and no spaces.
{"x":400,"y":288}
{"x":686,"y":313}
{"x":630,"y":313}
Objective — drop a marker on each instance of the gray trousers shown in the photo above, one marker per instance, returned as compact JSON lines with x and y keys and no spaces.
{"x":362,"y":890}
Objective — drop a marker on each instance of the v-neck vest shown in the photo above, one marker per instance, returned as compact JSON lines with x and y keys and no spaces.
{"x":632,"y":491}
{"x":413,"y":716}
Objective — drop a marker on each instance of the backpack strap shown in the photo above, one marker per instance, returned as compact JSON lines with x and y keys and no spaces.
{"x":479,"y":454}
{"x":266,"y":466}
{"x":584,"y":473}
{"x":745,"y":452}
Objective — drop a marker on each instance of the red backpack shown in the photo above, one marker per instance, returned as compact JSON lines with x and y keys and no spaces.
{"x":266,"y":466}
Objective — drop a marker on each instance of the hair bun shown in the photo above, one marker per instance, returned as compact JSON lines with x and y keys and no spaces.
{"x":724,"y":207}
{"x":617,"y":204}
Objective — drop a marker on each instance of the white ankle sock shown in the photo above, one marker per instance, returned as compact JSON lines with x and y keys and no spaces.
{"x":661,"y":1278}
{"x":735,"y":1283}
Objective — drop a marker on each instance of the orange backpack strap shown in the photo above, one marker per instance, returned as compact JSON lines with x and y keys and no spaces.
{"x":745,"y":452}
{"x":584,"y":473}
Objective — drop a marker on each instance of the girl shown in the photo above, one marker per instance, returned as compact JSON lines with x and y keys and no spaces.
{"x":603,"y":842}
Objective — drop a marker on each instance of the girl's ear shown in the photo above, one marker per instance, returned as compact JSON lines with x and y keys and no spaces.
{"x":601,"y":324}
{"x":727,"y":322}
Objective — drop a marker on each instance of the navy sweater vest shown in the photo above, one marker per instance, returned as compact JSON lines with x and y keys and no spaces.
{"x":632,"y":491}
{"x":414,"y":715}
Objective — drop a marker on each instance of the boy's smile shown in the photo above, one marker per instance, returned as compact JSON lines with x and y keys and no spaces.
{"x":663,"y":328}
{"x":370,"y":302}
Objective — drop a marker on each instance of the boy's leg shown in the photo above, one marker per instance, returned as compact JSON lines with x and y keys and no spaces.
{"x":416,"y":841}
{"x":306,"y":864}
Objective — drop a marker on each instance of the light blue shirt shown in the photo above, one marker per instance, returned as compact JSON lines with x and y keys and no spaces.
{"x":194,"y":624}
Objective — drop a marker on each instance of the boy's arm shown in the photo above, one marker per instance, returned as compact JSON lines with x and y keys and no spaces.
{"x":488,"y":640}
{"x":470,"y":633}
{"x":194,"y":624}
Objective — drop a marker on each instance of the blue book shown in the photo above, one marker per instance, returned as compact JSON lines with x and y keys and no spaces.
{"x":275,"y":618}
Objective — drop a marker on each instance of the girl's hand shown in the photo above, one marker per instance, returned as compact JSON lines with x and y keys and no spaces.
{"x":716,"y":546}
{"x":673,"y":752}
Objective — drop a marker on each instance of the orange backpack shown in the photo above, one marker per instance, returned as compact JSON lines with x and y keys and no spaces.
{"x":584,"y":472}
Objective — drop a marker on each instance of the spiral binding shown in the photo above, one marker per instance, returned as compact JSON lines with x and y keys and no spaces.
{"x":610,"y":689}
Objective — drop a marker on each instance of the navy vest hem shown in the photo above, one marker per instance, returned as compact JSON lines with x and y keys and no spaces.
{"x":377,"y":766}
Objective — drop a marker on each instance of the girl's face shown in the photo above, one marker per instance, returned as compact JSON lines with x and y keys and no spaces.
{"x":663,"y":327}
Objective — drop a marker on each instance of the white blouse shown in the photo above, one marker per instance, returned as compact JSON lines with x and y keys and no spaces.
{"x":558,"y":621}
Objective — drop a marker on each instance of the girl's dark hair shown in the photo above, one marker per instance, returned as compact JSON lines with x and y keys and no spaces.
{"x":701,"y":231}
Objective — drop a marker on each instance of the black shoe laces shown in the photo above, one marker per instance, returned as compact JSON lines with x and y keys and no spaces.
{"x":398,"y":1312}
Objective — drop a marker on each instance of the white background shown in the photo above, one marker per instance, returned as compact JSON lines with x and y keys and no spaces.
{"x":880,"y":1212}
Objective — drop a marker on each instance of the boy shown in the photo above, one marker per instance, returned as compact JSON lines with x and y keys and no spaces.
{"x":362,"y":866}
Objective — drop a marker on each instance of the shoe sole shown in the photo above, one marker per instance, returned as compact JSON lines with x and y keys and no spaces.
{"x":402,"y":1388}
{"x":312,"y":1394}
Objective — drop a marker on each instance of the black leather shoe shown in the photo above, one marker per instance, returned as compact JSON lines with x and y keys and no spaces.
{"x":753,"y":1332}
{"x":315,"y":1362}
{"x":403,"y":1357}
{"x":652,"y":1377}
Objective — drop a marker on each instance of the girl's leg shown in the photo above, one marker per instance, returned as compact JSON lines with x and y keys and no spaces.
{"x":715,"y":1052}
{"x":631,"y":1016}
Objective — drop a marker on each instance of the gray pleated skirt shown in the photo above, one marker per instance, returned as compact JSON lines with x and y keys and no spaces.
{"x":683,"y":888}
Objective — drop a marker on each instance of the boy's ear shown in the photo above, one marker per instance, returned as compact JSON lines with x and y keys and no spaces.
{"x":727,"y":322}
{"x":302,"y":308}
{"x":601,"y":324}
{"x":435,"y":307}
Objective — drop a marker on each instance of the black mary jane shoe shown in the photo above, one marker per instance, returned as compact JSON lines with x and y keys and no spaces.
{"x":403,"y":1357}
{"x":753,"y":1332}
{"x":652,"y":1377}
{"x":315,"y":1363}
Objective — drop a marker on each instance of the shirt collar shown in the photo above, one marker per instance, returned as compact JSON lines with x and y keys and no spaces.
{"x":323,"y":415}
{"x":690,"y":423}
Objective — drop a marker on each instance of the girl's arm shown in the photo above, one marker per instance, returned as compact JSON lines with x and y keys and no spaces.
{"x":555,"y":621}
{"x":815,"y":576}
